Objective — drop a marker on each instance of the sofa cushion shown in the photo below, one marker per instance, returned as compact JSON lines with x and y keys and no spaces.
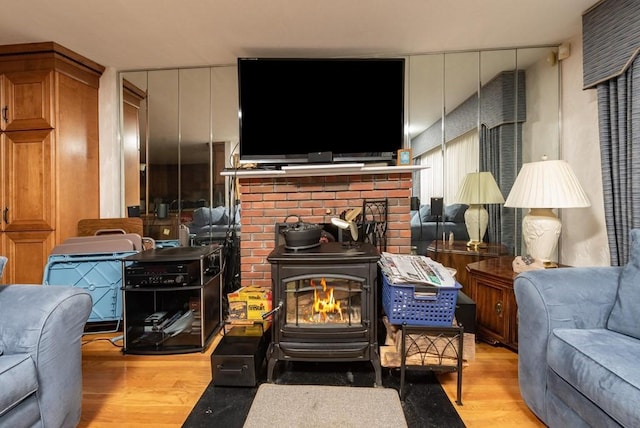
{"x":601,"y":365}
{"x":455,"y":212}
{"x":18,"y":380}
{"x":423,"y":215}
{"x":625,"y":316}
{"x":205,"y":216}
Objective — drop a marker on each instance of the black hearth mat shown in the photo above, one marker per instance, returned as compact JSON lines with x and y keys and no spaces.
{"x":425,"y":405}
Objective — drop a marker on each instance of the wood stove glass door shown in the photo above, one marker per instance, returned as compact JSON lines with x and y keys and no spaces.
{"x":324,"y":301}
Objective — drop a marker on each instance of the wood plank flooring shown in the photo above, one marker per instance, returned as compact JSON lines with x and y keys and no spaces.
{"x":160,"y":390}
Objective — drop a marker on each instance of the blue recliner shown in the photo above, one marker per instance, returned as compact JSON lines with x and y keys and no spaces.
{"x":579,"y":343}
{"x":40,"y":355}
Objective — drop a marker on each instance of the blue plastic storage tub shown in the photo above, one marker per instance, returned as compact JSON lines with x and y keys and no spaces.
{"x":100,"y":274}
{"x":435,"y":306}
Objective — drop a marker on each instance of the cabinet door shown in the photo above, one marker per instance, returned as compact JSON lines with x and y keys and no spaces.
{"x":26,"y":102}
{"x":28,"y":253}
{"x":491,"y":309}
{"x":27,"y":180}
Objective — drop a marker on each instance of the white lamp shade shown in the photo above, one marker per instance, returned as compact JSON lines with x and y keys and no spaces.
{"x":547,"y":184}
{"x":479,"y":188}
{"x":476,"y":189}
{"x":542,"y":186}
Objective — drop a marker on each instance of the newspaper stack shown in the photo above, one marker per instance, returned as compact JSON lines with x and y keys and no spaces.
{"x":411,"y":269}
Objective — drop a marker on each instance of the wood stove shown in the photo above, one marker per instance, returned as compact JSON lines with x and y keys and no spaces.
{"x":325,"y":305}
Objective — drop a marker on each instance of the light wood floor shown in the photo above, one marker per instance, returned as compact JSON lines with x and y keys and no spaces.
{"x":160,"y":390}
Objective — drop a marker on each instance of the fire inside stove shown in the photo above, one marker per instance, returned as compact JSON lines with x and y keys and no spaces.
{"x":324,"y":301}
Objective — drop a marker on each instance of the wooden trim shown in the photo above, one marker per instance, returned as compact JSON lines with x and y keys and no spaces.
{"x":131,"y":94}
{"x":48,"y":55}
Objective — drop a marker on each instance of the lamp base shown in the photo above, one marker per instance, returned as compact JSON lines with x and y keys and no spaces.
{"x":475,"y":245}
{"x":541,"y":231}
{"x":476,"y":218}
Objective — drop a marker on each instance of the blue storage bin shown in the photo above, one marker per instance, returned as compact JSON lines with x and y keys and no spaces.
{"x":402,"y":305}
{"x":167,"y":243}
{"x":100,"y":274}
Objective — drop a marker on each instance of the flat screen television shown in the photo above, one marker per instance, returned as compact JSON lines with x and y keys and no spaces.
{"x":298,"y":110}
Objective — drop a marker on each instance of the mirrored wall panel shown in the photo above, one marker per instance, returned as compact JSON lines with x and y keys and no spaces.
{"x":470,"y":115}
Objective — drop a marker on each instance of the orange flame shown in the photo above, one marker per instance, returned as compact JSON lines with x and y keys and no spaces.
{"x":324,"y":302}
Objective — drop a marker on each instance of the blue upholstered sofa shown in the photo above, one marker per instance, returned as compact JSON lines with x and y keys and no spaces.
{"x":40,"y":355}
{"x":579,"y":343}
{"x":213,"y":224}
{"x":426,"y":227}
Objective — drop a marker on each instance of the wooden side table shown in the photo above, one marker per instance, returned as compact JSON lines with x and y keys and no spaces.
{"x":457,"y":255}
{"x":491,"y":287}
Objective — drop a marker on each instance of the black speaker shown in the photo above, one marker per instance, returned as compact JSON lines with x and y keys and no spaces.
{"x":133,"y":211}
{"x":466,"y":312}
{"x":436,"y":206}
{"x":415,"y":203}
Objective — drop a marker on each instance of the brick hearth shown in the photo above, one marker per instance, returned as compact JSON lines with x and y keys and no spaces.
{"x":266,"y":201}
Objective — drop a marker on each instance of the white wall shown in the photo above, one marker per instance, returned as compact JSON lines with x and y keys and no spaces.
{"x":110,"y":154}
{"x":583,"y":241}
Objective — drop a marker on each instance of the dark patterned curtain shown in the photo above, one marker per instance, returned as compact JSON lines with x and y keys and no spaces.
{"x":501,"y":155}
{"x":619,"y":122}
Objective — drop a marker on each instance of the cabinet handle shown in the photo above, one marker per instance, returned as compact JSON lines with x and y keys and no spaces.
{"x":5,"y":110}
{"x":499,"y":309}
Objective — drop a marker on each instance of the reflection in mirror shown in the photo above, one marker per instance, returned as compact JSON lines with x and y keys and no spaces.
{"x":162,"y":162}
{"x":497,"y":108}
{"x":195,"y":144}
{"x":472,"y":111}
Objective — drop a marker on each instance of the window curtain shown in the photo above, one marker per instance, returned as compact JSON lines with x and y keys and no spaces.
{"x":500,"y":154}
{"x":611,"y":45}
{"x":619,"y":122}
{"x":460,"y":157}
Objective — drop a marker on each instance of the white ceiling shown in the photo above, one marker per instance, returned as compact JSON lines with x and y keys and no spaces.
{"x":143,"y":34}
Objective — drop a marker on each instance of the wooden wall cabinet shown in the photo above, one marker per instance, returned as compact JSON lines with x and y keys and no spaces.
{"x":49,"y":161}
{"x":491,"y":287}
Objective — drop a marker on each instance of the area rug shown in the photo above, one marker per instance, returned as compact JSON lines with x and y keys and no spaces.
{"x":331,"y":406}
{"x":425,"y":402}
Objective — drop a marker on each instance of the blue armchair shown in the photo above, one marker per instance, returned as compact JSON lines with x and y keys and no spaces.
{"x":579,"y":343}
{"x":40,"y":355}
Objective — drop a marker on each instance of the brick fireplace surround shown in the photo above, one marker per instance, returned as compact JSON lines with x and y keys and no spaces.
{"x":266,"y":201}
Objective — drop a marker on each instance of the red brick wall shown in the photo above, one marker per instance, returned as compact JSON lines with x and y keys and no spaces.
{"x":267,"y":201}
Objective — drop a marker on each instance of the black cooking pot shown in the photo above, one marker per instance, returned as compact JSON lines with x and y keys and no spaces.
{"x":300,"y":234}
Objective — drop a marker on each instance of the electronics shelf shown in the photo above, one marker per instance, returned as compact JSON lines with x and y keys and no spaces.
{"x":172,"y":299}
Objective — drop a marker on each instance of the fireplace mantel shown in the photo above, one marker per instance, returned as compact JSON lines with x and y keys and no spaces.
{"x":308,"y":170}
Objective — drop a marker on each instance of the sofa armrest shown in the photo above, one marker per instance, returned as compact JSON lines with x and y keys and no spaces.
{"x":557,"y":298}
{"x":47,"y":323}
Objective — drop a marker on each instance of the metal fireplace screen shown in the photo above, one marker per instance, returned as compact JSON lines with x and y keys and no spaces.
{"x":323,"y":301}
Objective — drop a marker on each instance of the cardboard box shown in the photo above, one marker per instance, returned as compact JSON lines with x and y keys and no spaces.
{"x":249,"y":303}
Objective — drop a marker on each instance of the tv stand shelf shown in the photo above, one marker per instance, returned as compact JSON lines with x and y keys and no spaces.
{"x":308,"y":170}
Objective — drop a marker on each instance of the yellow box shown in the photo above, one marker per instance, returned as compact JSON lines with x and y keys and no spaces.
{"x":249,"y":303}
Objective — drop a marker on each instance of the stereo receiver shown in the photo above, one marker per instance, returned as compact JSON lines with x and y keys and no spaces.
{"x":171,"y":274}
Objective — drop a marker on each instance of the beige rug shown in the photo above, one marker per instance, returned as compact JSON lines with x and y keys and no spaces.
{"x":311,"y":406}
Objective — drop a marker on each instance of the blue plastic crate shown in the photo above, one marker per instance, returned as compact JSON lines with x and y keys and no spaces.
{"x":402,"y":305}
{"x":167,"y":243}
{"x":100,"y":274}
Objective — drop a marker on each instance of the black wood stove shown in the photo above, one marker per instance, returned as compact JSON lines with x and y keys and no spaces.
{"x":325,"y":305}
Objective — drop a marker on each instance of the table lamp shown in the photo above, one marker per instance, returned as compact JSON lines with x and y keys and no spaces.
{"x":542,"y":186}
{"x":478,"y":188}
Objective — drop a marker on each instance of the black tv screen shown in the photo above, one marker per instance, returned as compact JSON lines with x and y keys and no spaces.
{"x":295,"y":110}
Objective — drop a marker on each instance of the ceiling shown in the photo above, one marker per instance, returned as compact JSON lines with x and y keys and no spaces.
{"x":147,"y":34}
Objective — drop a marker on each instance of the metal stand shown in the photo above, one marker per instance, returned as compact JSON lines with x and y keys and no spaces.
{"x":374,"y":223}
{"x":423,"y":343}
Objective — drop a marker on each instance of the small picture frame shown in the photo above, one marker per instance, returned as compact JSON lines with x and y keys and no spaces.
{"x":404,"y":157}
